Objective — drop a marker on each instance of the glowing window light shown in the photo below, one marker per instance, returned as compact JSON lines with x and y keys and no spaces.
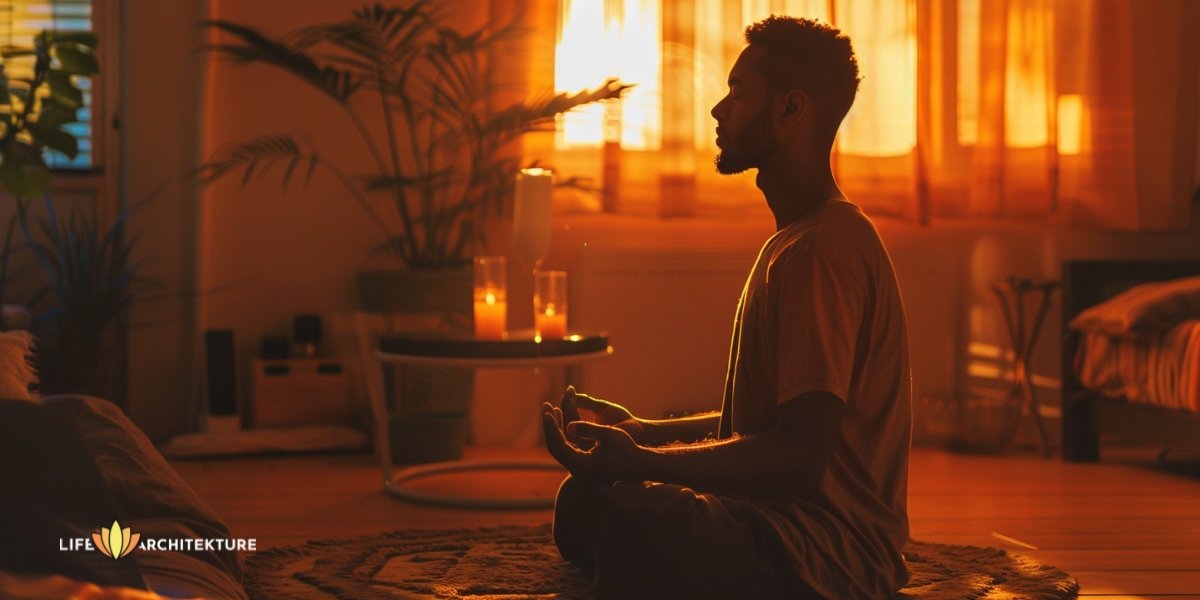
{"x":1026,"y":80}
{"x":1070,"y":124}
{"x":883,"y":119}
{"x":967,"y":78}
{"x":610,"y":38}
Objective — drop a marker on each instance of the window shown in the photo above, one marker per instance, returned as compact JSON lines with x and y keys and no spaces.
{"x":1023,"y":109}
{"x":20,"y":21}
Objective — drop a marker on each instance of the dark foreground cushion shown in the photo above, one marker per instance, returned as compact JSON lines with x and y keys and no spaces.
{"x":104,"y":469}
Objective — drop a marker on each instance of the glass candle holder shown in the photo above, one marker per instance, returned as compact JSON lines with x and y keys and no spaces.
{"x":491,"y":297}
{"x":550,"y":304}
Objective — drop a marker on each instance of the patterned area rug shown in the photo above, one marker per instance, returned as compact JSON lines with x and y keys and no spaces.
{"x":521,"y":562}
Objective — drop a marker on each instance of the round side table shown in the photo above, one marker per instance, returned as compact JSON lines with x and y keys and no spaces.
{"x":520,"y":351}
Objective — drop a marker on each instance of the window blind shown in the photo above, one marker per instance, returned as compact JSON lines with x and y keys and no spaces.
{"x":20,"y":21}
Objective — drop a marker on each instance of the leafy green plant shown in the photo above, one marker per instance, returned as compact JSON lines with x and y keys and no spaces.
{"x":91,"y":281}
{"x":445,"y":164}
{"x":33,"y":111}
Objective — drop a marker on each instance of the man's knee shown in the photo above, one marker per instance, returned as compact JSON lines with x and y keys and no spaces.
{"x":577,"y":511}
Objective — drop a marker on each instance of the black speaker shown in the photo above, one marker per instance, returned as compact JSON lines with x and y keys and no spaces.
{"x":306,"y":334}
{"x":220,"y":370}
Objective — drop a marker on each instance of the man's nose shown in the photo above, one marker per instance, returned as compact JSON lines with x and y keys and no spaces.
{"x":716,"y":109}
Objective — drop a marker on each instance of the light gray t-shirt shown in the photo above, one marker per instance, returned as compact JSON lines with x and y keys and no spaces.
{"x":821,"y":311}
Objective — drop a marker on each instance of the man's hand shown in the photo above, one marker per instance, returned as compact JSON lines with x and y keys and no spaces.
{"x":607,"y":413}
{"x":614,"y":456}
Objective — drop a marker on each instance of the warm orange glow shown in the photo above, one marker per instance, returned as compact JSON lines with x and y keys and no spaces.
{"x":1027,"y":79}
{"x":983,"y":350}
{"x":984,"y":370}
{"x":551,"y":325}
{"x":1070,"y":124}
{"x":968,"y":71}
{"x":883,"y":120}
{"x":1027,"y":89}
{"x":491,"y":315}
{"x":610,"y":38}
{"x":623,"y":38}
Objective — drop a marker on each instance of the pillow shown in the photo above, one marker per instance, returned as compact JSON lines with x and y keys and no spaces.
{"x":16,"y":374}
{"x":1144,"y":310}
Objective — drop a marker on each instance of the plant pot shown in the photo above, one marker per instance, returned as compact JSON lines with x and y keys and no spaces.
{"x":416,"y":291}
{"x":428,"y":406}
{"x":427,"y":437}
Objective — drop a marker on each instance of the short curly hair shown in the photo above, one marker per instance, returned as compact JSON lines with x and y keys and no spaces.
{"x":814,"y":57}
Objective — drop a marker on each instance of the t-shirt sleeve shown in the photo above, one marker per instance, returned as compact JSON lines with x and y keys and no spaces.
{"x":820,"y":294}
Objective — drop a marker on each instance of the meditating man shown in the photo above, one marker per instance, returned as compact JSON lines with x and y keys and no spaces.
{"x":797,"y":487}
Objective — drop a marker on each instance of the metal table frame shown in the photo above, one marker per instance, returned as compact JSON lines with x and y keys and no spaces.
{"x":394,"y":479}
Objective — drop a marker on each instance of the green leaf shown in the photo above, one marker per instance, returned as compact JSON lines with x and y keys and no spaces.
{"x":63,"y":90}
{"x":86,"y":39}
{"x":53,"y":138}
{"x":23,"y":173}
{"x":55,"y":115}
{"x":76,"y":61}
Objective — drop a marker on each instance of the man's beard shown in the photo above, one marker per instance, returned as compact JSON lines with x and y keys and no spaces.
{"x":749,"y":149}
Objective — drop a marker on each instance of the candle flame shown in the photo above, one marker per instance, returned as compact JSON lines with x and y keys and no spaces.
{"x":549,"y":309}
{"x":490,"y":298}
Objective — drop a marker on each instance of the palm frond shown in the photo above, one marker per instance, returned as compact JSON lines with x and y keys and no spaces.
{"x":256,"y":47}
{"x":521,"y":117}
{"x":258,"y":156}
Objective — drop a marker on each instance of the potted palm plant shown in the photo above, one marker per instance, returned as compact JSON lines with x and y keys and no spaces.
{"x":416,"y":93}
{"x":441,"y":155}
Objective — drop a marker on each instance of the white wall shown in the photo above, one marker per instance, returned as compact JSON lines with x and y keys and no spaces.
{"x":160,"y":108}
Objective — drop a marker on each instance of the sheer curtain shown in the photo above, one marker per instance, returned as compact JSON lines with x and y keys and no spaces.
{"x":1032,"y":109}
{"x":1074,"y":111}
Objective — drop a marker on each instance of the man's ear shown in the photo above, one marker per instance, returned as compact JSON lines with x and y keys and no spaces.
{"x":796,"y":105}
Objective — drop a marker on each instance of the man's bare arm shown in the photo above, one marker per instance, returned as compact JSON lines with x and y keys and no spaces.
{"x":689,"y":429}
{"x":790,"y":457}
{"x":646,"y":432}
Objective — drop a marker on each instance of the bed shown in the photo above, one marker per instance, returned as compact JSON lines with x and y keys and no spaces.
{"x":1088,"y":413}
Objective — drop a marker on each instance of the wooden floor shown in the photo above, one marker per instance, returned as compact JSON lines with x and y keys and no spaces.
{"x":1127,"y":528}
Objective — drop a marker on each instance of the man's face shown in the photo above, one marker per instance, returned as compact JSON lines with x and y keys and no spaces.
{"x":744,"y":136}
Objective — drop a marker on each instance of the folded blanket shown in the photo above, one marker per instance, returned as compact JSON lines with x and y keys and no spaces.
{"x":1144,"y":310}
{"x":1161,"y":370}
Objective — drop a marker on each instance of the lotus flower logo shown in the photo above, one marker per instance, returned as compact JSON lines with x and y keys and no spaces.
{"x":115,"y":542}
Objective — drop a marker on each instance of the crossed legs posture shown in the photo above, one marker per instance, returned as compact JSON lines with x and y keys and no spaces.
{"x":656,"y":540}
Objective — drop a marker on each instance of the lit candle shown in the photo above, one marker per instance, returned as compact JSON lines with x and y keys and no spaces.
{"x":550,"y":304}
{"x":491,"y":298}
{"x":551,"y":325}
{"x":491,"y":316}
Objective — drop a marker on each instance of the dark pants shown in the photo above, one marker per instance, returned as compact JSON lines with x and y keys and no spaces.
{"x":651,"y":540}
